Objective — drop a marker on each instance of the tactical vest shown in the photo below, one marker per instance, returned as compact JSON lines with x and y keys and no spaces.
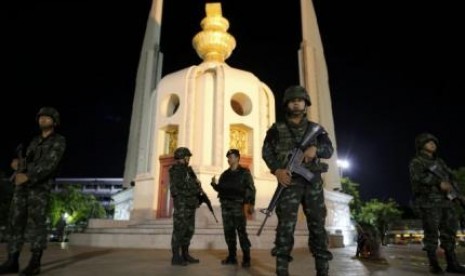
{"x":232,"y":184}
{"x":189,"y":187}
{"x":430,"y":190}
{"x":287,"y":141}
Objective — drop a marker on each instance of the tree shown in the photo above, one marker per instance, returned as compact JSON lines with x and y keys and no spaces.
{"x":379,"y":214}
{"x":352,"y":188}
{"x":460,"y":178}
{"x":80,"y":207}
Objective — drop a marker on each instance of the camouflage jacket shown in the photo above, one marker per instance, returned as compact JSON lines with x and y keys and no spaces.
{"x":43,"y":159}
{"x":282,"y":137}
{"x":236,"y":185}
{"x":425,"y":185}
{"x":183,"y":181}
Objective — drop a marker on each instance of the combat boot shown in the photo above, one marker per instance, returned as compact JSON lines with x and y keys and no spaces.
{"x":282,"y":266}
{"x":322,"y":267}
{"x":187,"y":257}
{"x":33,"y":268}
{"x":434,"y":266}
{"x":246,"y":257}
{"x":177,"y":259}
{"x":453,"y":265}
{"x":11,"y":265}
{"x":231,"y":258}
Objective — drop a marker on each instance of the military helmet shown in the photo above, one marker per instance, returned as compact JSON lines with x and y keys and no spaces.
{"x":294,"y":92}
{"x":182,"y":152}
{"x":424,"y":138}
{"x":233,"y":151}
{"x":51,"y":112}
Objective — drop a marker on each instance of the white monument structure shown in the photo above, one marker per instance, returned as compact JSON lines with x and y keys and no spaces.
{"x":210,"y":108}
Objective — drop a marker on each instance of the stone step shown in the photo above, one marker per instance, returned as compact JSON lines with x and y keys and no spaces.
{"x":157,"y":234}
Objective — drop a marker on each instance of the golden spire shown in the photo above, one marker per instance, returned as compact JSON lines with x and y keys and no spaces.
{"x":213,"y":43}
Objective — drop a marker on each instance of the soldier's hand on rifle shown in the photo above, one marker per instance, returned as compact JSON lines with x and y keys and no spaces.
{"x":446,"y":186}
{"x":284,"y":177}
{"x":21,"y":178}
{"x":310,"y":154}
{"x":15,"y":164}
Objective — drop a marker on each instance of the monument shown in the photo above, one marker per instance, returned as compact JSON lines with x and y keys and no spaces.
{"x":210,"y":108}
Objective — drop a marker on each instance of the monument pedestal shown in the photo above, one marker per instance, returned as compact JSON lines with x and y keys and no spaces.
{"x":338,"y":222}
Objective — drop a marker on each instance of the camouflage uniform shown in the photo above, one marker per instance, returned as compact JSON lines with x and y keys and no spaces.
{"x":30,"y":200}
{"x":30,"y":203}
{"x":437,"y":212}
{"x":185,"y":190}
{"x":236,"y":188}
{"x":280,"y":139}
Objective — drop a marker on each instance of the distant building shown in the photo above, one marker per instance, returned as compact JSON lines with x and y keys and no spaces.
{"x":410,"y":231}
{"x":102,"y":188}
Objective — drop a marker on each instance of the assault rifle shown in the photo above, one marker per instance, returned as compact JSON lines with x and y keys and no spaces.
{"x":203,"y":198}
{"x":21,"y":162}
{"x":294,"y":166}
{"x":454,"y":194}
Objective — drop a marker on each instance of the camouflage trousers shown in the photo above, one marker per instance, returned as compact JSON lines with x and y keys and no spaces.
{"x":234,"y":220}
{"x":439,"y":223}
{"x":28,"y":218}
{"x":312,"y":199}
{"x":183,"y":222}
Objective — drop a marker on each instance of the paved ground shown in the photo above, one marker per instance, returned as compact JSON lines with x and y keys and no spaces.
{"x":77,"y":261}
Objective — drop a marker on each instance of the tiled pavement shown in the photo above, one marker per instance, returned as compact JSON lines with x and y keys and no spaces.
{"x":77,"y":261}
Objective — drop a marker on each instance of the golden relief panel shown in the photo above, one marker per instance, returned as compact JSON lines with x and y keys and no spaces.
{"x":171,"y":140}
{"x":238,"y":139}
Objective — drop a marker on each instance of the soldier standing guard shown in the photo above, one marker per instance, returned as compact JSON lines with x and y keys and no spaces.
{"x":439,"y":218}
{"x":280,"y":139}
{"x":185,"y":190}
{"x":34,"y":178}
{"x":236,"y":192}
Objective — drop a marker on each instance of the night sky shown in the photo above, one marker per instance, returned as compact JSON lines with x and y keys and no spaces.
{"x":395,"y":70}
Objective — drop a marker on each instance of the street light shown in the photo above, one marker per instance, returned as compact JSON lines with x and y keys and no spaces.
{"x":342,"y":164}
{"x":66,"y":216}
{"x":64,"y":234}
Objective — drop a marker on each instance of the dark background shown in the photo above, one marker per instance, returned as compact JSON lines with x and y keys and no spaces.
{"x":395,"y":70}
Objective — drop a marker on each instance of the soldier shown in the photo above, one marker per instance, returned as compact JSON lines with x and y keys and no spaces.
{"x":437,"y":212}
{"x":236,"y":192}
{"x":185,"y":189}
{"x":280,"y":139}
{"x":32,"y":193}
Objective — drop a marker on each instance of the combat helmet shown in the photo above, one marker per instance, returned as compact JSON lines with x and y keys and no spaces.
{"x":182,"y":152}
{"x":51,"y":112}
{"x":424,"y":138}
{"x":294,"y":92}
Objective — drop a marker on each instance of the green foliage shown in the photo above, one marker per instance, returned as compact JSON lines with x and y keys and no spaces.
{"x":79,"y":206}
{"x":352,"y":188}
{"x":70,"y":200}
{"x":379,"y":214}
{"x":374,"y":212}
{"x":460,"y":178}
